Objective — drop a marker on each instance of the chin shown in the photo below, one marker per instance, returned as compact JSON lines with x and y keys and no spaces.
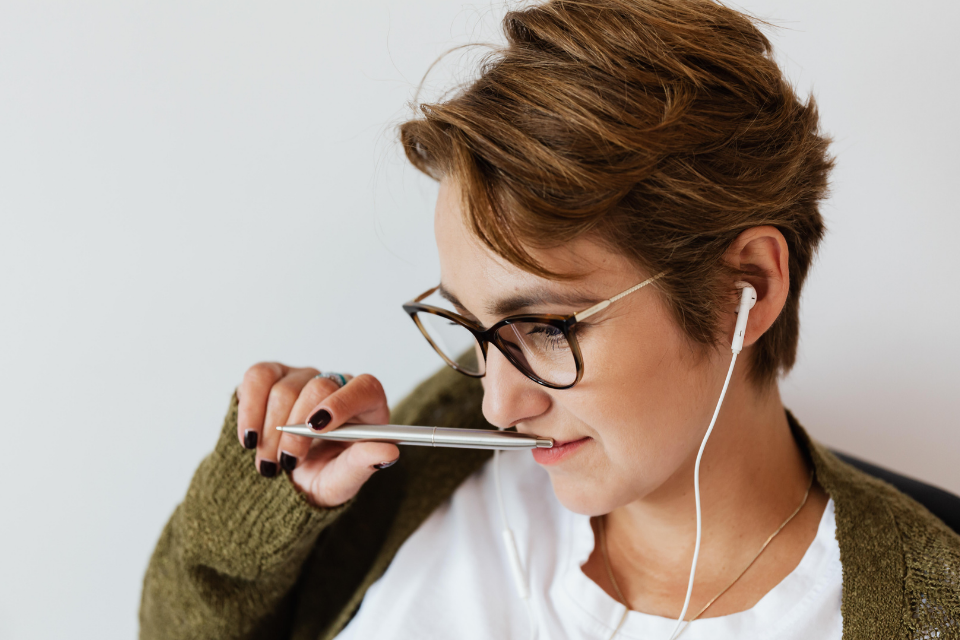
{"x":582,"y":495}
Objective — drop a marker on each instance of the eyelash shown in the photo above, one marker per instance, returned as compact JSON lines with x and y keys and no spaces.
{"x":555,"y":338}
{"x":577,"y":330}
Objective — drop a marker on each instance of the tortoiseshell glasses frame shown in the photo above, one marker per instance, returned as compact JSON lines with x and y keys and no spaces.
{"x":564,"y":323}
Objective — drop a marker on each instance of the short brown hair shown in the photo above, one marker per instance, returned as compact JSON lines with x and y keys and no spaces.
{"x":662,"y":128}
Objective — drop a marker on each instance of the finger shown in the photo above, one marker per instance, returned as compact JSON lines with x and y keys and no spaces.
{"x":316,"y":391}
{"x":361,"y":400}
{"x":283,"y":395}
{"x":252,"y":406}
{"x":293,"y":448}
{"x":333,"y":482}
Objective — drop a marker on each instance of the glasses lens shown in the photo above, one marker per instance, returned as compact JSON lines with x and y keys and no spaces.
{"x":454,"y":342}
{"x":540,"y":349}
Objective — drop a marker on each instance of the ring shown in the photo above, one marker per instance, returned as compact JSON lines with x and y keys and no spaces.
{"x":339,"y":378}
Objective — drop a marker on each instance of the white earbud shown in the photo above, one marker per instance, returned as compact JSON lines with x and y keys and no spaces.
{"x":748,"y":298}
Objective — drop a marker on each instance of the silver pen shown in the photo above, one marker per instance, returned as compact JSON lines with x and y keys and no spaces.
{"x":425,"y":436}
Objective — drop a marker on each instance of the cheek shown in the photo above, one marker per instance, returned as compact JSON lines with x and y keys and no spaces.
{"x":645,"y":403}
{"x":640,"y":385}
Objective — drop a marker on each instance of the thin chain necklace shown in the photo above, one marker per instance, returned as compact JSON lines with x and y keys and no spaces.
{"x":623,"y":601}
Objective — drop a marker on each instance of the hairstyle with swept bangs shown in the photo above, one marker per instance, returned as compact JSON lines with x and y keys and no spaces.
{"x":660,"y":128}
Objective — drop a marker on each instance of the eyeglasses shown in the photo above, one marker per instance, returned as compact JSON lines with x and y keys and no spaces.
{"x":542,"y":346}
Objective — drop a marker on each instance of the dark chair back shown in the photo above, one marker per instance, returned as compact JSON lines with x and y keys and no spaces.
{"x":942,"y":504}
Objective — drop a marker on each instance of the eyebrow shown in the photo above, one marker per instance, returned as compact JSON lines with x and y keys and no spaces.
{"x":535,"y":297}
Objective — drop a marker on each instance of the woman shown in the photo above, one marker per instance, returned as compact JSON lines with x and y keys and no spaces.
{"x":612,"y":143}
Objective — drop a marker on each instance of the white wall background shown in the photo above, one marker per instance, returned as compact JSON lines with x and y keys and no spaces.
{"x":189,"y":187}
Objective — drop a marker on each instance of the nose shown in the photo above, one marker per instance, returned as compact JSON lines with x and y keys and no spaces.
{"x":509,"y":396}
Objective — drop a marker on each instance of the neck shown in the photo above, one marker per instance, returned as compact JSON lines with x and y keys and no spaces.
{"x":752,"y":476}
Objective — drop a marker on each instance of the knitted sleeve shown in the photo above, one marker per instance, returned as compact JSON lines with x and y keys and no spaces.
{"x":228,"y":559}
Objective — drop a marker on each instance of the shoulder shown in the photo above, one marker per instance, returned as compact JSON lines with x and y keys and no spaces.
{"x":901,"y":564}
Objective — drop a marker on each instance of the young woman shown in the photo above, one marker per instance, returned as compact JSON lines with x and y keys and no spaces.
{"x":610,"y":144}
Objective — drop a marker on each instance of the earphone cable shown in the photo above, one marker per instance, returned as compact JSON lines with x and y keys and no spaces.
{"x":696,"y":494}
{"x":513,"y":553}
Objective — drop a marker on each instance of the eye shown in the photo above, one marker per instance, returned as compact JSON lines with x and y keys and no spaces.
{"x":552,"y":337}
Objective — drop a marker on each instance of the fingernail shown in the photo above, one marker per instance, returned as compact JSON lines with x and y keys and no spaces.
{"x":268,"y":469}
{"x":384,"y":465}
{"x":250,"y":439}
{"x":320,"y":419}
{"x":287,"y":461}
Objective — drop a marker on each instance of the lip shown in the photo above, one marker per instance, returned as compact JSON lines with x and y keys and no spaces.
{"x":559,"y":452}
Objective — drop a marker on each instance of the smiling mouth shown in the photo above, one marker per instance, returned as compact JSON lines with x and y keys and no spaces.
{"x":559,"y":452}
{"x":563,"y":443}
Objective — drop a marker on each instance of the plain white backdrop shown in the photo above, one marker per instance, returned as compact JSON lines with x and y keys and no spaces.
{"x":187,"y":188}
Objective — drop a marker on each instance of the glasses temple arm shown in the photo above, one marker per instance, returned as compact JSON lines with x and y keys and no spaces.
{"x":600,"y":306}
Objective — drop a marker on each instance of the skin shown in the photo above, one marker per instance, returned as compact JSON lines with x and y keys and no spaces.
{"x":643,"y":406}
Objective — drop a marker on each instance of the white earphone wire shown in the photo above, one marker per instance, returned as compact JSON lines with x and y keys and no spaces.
{"x":696,"y":494}
{"x":519,"y":576}
{"x":746,"y":303}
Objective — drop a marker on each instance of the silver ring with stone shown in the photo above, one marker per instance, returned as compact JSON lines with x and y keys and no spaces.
{"x":339,"y":378}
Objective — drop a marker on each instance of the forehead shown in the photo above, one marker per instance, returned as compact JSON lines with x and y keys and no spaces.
{"x":535,"y":297}
{"x":476,"y":279}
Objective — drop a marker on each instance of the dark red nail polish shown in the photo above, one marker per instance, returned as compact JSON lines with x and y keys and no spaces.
{"x":268,"y":469}
{"x":287,"y":461}
{"x":250,"y":439}
{"x":384,"y":465}
{"x":319,"y":420}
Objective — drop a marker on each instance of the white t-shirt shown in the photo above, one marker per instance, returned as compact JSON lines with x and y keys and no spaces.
{"x":452,"y":579}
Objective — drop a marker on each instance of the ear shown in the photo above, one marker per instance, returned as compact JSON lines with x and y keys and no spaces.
{"x":762,"y":253}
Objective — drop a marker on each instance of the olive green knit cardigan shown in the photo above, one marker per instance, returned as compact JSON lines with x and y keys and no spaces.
{"x":248,"y":557}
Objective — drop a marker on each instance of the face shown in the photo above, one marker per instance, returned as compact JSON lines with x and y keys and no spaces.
{"x":637,"y":415}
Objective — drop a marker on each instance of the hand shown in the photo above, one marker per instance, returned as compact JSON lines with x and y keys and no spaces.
{"x":328,"y":473}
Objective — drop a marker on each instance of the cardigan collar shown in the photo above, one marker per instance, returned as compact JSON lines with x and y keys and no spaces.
{"x":871,"y":550}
